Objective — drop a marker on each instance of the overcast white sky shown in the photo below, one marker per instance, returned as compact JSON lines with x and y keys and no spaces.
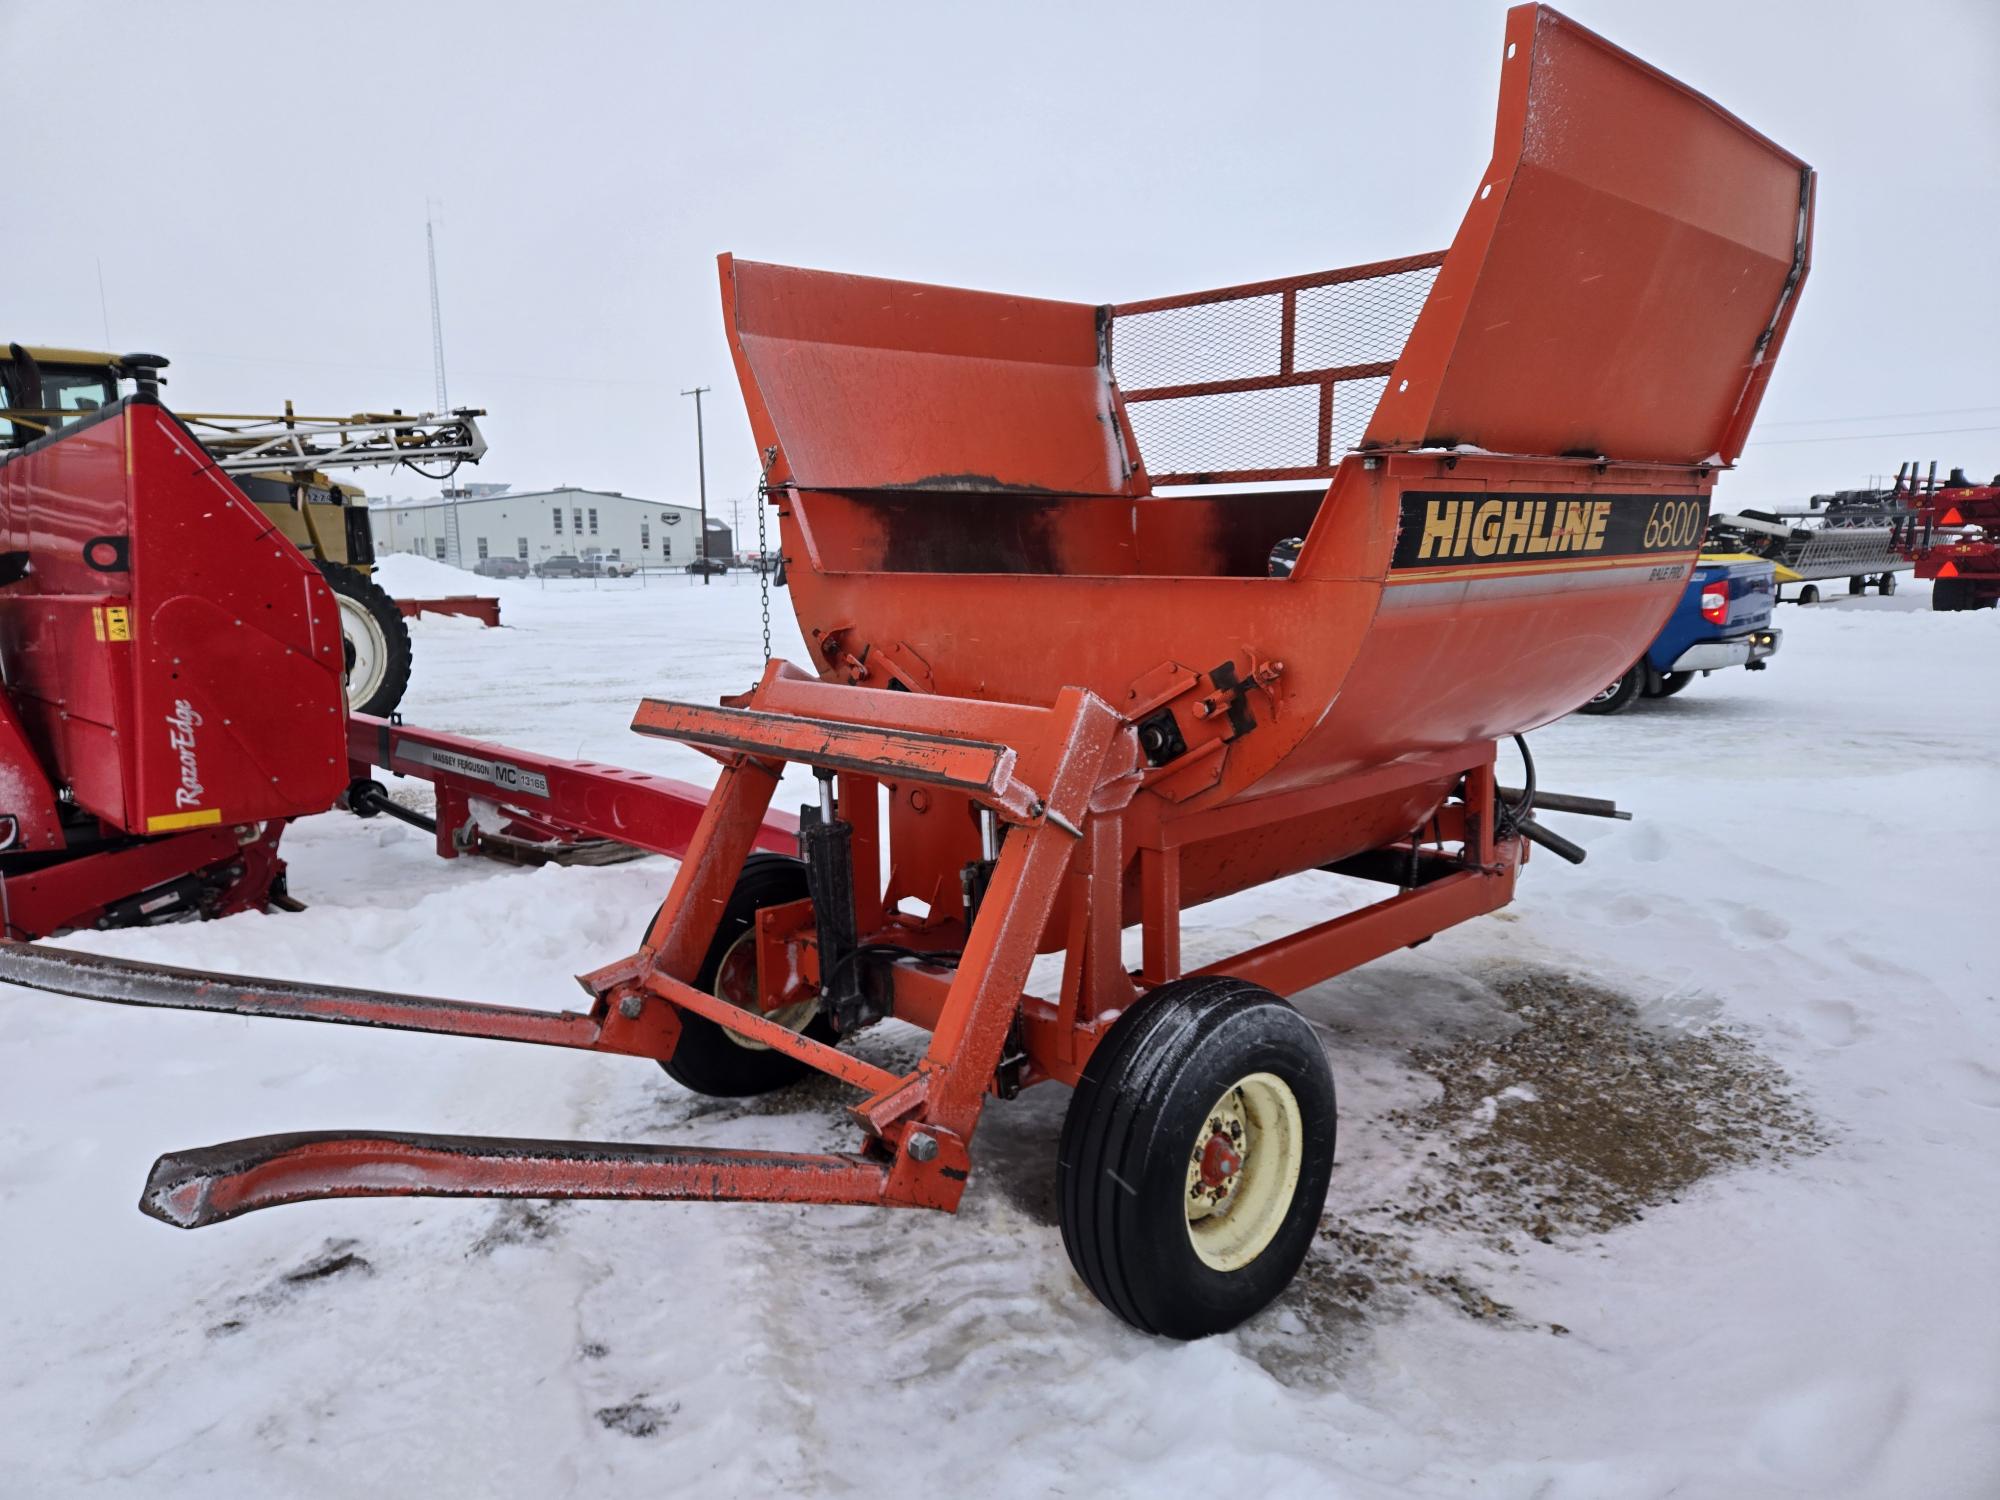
{"x":252,"y":180}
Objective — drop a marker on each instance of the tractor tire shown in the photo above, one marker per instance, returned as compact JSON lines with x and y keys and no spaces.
{"x":1195,"y":1157}
{"x":1809,"y":594}
{"x":1673,"y":682}
{"x":1951,"y":594}
{"x":1620,"y":696}
{"x":1858,"y":584}
{"x":712,"y":1060}
{"x":1886,"y":585}
{"x":376,"y":638}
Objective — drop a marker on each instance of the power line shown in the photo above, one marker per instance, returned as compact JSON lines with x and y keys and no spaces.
{"x":383,"y":368}
{"x":544,"y":377}
{"x":1884,"y":416}
{"x":1867,"y":437}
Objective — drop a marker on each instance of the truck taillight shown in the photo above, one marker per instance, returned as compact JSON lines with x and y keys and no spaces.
{"x":1715,"y":602}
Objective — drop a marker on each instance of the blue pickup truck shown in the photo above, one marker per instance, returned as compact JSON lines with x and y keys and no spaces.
{"x":1722,"y":620}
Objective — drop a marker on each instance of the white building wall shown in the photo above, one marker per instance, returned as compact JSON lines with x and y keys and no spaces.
{"x":539,"y":525}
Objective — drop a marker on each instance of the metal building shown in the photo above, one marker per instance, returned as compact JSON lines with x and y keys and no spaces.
{"x":535,"y":525}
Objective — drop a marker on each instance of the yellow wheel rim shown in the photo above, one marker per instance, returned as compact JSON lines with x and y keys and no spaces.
{"x":736,"y":982}
{"x":1243,"y":1171}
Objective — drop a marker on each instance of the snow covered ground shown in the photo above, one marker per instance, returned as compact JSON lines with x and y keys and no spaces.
{"x":1811,"y":869}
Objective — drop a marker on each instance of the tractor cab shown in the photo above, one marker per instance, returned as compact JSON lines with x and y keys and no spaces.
{"x":43,"y":389}
{"x":46,"y":389}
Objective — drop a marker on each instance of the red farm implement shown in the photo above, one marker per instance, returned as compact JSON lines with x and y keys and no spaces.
{"x":1049,"y":704}
{"x":1952,"y":535}
{"x":174,"y":697}
{"x":481,"y":607}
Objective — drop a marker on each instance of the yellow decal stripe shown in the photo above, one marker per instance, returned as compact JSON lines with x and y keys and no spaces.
{"x":170,"y":822}
{"x":1580,"y":565}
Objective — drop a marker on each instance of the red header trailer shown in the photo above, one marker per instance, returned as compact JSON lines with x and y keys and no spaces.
{"x":173,"y":696}
{"x":1952,"y":535}
{"x":173,"y":680}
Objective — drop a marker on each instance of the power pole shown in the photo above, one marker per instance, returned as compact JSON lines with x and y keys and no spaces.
{"x":701,"y":470}
{"x":103,"y":307}
{"x":437,"y":316}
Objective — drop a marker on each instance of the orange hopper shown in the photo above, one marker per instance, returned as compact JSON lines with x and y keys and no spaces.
{"x":1521,"y":435}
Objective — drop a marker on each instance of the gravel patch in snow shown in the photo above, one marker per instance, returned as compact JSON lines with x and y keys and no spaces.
{"x":1583,"y":1115}
{"x":1568,"y":1118}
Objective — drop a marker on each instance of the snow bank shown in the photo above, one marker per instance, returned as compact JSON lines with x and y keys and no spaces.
{"x":407,"y":576}
{"x":1810,"y":866}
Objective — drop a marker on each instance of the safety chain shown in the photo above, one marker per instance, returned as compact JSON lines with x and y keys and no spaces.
{"x":763,"y":554}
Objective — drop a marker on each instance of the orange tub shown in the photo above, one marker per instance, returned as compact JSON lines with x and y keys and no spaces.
{"x":1511,"y":448}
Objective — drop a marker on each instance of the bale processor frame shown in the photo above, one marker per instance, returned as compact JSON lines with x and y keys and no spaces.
{"x":1059,"y":781}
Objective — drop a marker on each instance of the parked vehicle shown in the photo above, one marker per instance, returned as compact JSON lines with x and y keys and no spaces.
{"x":1723,"y":620}
{"x":769,"y":565}
{"x":501,"y":567}
{"x":566,"y":565}
{"x":711,"y":565}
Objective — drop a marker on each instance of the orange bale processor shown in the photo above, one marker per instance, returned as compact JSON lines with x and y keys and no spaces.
{"x":1057,"y":695}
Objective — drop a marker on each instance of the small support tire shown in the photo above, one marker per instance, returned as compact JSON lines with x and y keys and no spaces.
{"x":1195,"y":1157}
{"x":711,"y":1059}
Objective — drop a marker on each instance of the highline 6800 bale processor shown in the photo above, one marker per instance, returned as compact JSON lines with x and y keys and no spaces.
{"x":1086,"y":707}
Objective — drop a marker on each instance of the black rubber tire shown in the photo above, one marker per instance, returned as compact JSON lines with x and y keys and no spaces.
{"x":1951,"y":594}
{"x":376,"y":612}
{"x":705,"y":1058}
{"x":1121,"y":1171}
{"x":1673,"y":682}
{"x":1620,"y":696}
{"x":1809,"y":594}
{"x":1858,"y":584}
{"x":1887,"y":585}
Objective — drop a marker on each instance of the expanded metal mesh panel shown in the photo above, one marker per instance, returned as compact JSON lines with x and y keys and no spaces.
{"x":1360,"y":322}
{"x":1267,"y":381}
{"x":1272,"y":433}
{"x":1232,"y":340}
